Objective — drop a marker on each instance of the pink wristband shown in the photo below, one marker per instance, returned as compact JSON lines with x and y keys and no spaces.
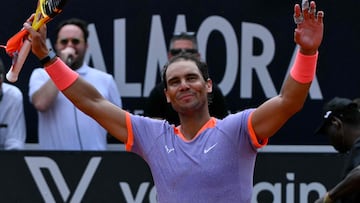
{"x":304,"y":68}
{"x":61,"y":74}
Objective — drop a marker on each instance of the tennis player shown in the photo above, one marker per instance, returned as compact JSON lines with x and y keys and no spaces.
{"x":204,"y":159}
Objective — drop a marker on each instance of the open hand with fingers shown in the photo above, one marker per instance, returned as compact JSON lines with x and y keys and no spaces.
{"x":309,"y":31}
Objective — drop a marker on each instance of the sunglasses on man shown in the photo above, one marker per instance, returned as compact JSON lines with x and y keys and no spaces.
{"x":187,"y":34}
{"x":178,"y":51}
{"x":73,"y":41}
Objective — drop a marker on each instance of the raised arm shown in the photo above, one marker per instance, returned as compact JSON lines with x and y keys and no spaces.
{"x":82,"y":94}
{"x":269,"y":117}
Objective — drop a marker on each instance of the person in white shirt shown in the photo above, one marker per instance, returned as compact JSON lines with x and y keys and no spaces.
{"x":12,"y":117}
{"x":61,"y":126}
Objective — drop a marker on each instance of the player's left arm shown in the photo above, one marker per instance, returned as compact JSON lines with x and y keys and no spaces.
{"x":268,"y":118}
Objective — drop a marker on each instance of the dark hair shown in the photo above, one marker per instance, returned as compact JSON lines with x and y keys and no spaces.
{"x":186,"y":57}
{"x":74,"y":21}
{"x":184,"y":36}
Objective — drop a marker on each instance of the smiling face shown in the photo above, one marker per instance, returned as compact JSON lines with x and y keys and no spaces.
{"x":186,"y":88}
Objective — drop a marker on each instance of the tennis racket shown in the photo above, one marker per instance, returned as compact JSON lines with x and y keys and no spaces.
{"x":19,"y":45}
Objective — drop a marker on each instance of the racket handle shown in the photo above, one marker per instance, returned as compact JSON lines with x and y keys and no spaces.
{"x":13,"y":73}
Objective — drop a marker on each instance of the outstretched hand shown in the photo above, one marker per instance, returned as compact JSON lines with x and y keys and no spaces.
{"x":309,"y":32}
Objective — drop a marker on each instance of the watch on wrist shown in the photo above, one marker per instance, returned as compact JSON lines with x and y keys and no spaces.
{"x":48,"y":58}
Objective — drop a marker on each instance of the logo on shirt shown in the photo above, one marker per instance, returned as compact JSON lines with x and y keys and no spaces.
{"x":169,"y":150}
{"x":210,"y":148}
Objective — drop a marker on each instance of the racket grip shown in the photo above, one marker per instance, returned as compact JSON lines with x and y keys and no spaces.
{"x":13,"y":73}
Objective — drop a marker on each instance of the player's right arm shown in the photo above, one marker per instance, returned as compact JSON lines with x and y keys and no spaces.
{"x":85,"y":97}
{"x":82,"y":94}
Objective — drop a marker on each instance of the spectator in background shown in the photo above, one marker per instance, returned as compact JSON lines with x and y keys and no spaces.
{"x":341,"y":123}
{"x":61,"y":125}
{"x":12,"y":117}
{"x":158,"y":107}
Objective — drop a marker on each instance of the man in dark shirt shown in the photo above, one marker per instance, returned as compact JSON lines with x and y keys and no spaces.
{"x":342,"y":125}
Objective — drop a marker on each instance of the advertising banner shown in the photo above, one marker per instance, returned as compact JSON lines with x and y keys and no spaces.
{"x":46,"y":176}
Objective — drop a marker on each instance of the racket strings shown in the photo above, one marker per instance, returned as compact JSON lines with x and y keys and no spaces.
{"x":52,"y":8}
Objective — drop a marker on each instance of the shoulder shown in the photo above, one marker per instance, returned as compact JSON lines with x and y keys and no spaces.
{"x":38,"y":71}
{"x":99,"y":72}
{"x":238,"y":119}
{"x":38,"y":76}
{"x":12,"y":91}
{"x":94,"y":74}
{"x":148,"y":125}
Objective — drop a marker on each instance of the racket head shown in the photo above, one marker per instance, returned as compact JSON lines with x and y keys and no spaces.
{"x":47,"y":10}
{"x":52,"y":8}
